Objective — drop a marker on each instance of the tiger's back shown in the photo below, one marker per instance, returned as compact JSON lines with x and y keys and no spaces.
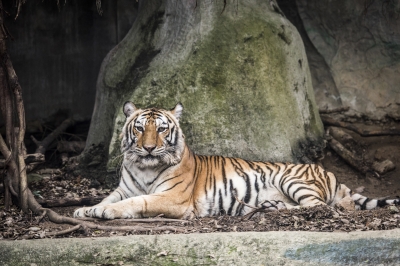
{"x":161,"y":175}
{"x":231,"y":185}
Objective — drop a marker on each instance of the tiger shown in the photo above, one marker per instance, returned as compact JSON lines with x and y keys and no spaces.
{"x":161,"y":175}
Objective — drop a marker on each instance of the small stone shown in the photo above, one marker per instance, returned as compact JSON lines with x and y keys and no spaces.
{"x":359,"y":189}
{"x":394,"y":209}
{"x":345,"y":221}
{"x":347,"y":204}
{"x":162,"y":253}
{"x":94,"y":184}
{"x":34,"y":228}
{"x":380,"y":155}
{"x":383,"y":167}
{"x":375,"y":223}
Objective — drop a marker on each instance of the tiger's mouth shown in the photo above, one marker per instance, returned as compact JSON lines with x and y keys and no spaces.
{"x":150,"y":157}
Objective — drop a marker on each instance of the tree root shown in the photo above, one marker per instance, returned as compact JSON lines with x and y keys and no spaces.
{"x":66,"y":202}
{"x":149,"y":220}
{"x":59,"y":219}
{"x":64,"y":232}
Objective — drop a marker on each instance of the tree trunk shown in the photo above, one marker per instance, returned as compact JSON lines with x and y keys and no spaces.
{"x":238,"y":67}
{"x":13,"y":149}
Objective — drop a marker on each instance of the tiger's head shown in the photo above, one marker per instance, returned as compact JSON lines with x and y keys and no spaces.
{"x":152,"y":137}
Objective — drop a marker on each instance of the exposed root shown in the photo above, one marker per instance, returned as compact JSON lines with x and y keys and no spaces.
{"x":64,"y":232}
{"x":149,"y":220}
{"x":65,"y":202}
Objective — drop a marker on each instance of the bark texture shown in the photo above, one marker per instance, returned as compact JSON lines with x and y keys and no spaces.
{"x":239,"y":69}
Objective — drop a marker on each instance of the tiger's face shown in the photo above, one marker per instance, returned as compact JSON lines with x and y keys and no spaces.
{"x":152,"y":137}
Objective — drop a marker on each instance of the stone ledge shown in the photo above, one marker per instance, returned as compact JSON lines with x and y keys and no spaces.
{"x":250,"y":248}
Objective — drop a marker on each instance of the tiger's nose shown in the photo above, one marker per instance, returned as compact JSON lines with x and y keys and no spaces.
{"x":149,"y":148}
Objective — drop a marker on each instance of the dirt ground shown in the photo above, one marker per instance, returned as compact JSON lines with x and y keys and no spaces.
{"x":60,"y":183}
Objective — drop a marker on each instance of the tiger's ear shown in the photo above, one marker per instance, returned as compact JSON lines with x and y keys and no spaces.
{"x":129,"y":108}
{"x":177,"y":111}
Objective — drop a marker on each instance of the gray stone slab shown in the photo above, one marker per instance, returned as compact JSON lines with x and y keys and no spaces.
{"x":247,"y":248}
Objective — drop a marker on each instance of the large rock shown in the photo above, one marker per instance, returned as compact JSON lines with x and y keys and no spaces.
{"x":239,"y":70}
{"x":361,"y":45}
{"x":246,"y":248}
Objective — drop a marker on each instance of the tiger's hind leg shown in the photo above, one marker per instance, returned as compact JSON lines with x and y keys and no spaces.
{"x":279,"y":205}
{"x":273,"y":205}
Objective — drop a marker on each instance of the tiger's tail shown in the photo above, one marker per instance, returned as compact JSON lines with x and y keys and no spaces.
{"x":362,"y":202}
{"x":365,"y":203}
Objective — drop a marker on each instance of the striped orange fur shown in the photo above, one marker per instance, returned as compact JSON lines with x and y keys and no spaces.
{"x":161,"y":175}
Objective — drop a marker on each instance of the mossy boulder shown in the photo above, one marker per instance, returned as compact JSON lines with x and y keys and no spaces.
{"x":240,"y":71}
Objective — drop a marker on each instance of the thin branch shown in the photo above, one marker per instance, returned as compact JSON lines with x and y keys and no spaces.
{"x":244,"y":203}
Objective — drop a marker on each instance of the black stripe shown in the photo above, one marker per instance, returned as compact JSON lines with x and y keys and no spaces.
{"x":294,"y":183}
{"x":123,"y":191}
{"x":220,"y":202}
{"x":381,"y":203}
{"x":214,"y":186}
{"x":233,"y":199}
{"x":363,"y":206}
{"x":173,"y":186}
{"x":134,"y":181}
{"x":159,"y":174}
{"x":256,"y":185}
{"x":307,"y":196}
{"x":119,"y":194}
{"x":224,"y":179}
{"x":299,"y":169}
{"x":167,"y":180}
{"x":302,"y":188}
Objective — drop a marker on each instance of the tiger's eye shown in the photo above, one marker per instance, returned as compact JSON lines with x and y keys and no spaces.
{"x":140,"y":129}
{"x":161,"y":129}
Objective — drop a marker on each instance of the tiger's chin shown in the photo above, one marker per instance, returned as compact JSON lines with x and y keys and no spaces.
{"x":148,"y":161}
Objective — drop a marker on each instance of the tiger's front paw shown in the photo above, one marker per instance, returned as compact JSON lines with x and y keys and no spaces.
{"x":79,"y":213}
{"x":96,"y":212}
